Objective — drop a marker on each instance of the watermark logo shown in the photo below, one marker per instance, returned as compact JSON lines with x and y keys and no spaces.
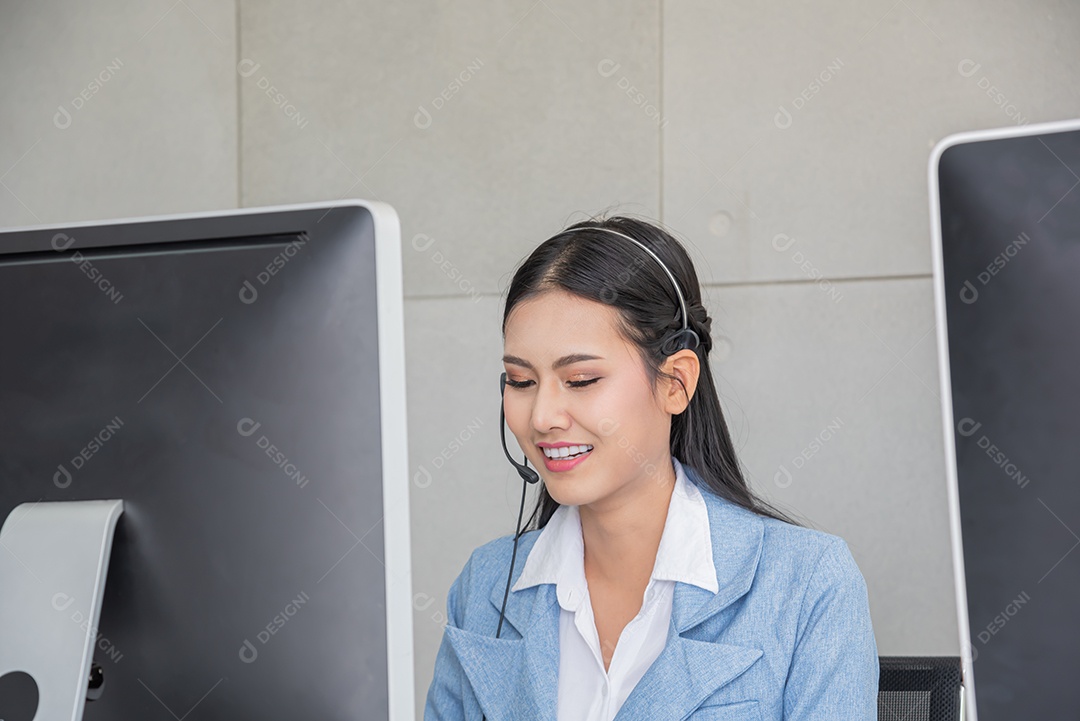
{"x":968,"y":427}
{"x":423,"y":118}
{"x":999,"y":622}
{"x":422,"y":243}
{"x":608,"y":67}
{"x":423,"y":477}
{"x":969,"y":293}
{"x":61,"y":602}
{"x":63,"y":477}
{"x":608,"y":294}
{"x":422,"y":602}
{"x":783,"y":242}
{"x":608,"y":427}
{"x":248,"y":292}
{"x":968,"y":68}
{"x":247,"y":67}
{"x":63,"y":118}
{"x":783,"y":476}
{"x":61,"y":242}
{"x":249,"y":652}
{"x":784,"y":118}
{"x":247,"y":427}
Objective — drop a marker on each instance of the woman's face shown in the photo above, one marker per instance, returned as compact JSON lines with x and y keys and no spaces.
{"x":573,"y":379}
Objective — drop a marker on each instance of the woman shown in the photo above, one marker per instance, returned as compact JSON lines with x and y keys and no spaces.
{"x":652,"y":582}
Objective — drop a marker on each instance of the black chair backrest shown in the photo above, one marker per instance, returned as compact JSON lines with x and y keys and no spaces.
{"x":919,"y":688}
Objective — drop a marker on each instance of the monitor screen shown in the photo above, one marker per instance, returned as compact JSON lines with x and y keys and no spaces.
{"x":1006,"y":222}
{"x":237,"y":380}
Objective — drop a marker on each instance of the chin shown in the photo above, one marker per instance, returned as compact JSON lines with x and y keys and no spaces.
{"x":570,"y":492}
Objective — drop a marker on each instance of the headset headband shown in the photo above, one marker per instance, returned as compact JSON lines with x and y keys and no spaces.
{"x":686,"y":338}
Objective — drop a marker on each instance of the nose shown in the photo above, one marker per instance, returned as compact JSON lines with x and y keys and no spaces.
{"x":549,"y":408}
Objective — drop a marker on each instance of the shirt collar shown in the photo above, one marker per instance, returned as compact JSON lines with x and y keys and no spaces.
{"x":685,"y":553}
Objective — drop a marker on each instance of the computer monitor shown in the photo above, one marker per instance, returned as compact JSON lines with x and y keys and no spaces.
{"x":1005,"y":207}
{"x":212,"y":407}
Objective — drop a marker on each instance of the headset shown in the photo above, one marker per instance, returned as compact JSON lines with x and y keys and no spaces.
{"x":678,"y":340}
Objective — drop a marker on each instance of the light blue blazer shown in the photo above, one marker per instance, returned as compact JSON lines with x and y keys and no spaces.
{"x":788,"y":636}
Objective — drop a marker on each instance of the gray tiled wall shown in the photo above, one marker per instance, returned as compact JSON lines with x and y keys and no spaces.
{"x":116,"y":108}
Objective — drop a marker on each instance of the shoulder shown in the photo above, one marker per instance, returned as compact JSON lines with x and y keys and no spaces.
{"x":807,"y":576}
{"x":806,"y":547}
{"x":818,"y":569}
{"x":817,"y":555}
{"x":790,"y":555}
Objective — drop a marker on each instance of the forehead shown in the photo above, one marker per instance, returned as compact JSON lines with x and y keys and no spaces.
{"x":559,"y":308}
{"x":557,"y":323}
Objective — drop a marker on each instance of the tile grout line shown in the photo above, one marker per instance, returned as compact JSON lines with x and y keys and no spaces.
{"x":239,"y":116}
{"x":660,"y":130}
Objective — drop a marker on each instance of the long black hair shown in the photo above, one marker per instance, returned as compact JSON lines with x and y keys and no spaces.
{"x":601,"y":267}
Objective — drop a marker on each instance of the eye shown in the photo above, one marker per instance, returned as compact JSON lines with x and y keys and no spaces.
{"x":572,"y":384}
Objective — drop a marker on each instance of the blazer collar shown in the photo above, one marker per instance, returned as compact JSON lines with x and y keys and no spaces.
{"x":685,"y":551}
{"x":518,"y":677}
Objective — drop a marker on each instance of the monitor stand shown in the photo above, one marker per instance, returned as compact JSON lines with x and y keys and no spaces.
{"x":53,"y":561}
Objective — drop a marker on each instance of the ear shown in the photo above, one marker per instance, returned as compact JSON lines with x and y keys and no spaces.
{"x":686,"y":366}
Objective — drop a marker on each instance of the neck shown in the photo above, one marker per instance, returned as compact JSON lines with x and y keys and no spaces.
{"x":622,"y":533}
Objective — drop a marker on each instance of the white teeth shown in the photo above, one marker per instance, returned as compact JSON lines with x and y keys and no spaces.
{"x":566,"y":451}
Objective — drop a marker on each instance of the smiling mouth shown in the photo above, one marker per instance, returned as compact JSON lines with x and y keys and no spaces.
{"x":566,"y":452}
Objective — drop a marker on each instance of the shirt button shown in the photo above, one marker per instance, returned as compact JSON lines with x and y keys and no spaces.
{"x":603,"y":690}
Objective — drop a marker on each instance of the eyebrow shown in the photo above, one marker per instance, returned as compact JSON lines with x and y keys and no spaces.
{"x":564,"y":361}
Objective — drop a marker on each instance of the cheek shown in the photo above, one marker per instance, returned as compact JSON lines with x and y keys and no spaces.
{"x":613,"y":412}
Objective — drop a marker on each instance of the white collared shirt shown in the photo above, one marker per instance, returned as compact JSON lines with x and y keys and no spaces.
{"x":586,"y":691}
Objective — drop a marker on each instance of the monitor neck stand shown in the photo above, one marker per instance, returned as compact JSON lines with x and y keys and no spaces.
{"x":53,"y":561}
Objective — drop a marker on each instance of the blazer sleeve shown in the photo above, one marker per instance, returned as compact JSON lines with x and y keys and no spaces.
{"x":444,"y":697}
{"x":834,"y":666}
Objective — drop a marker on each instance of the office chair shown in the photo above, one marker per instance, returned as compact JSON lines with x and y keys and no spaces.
{"x":919,"y":688}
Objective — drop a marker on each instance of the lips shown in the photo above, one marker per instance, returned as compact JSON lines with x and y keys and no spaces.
{"x":559,"y":465}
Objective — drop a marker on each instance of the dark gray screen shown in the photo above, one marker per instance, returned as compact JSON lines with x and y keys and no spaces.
{"x":242,"y":431}
{"x":1010,"y":221}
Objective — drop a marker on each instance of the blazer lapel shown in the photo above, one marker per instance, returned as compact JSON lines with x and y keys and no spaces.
{"x":684,"y":674}
{"x":688,"y":671}
{"x":515,"y":676}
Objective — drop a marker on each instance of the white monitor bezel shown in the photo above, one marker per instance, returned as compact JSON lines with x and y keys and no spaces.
{"x":969,"y":707}
{"x":401,"y":693}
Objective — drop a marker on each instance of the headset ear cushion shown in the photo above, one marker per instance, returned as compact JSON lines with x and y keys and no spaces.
{"x":679,"y":340}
